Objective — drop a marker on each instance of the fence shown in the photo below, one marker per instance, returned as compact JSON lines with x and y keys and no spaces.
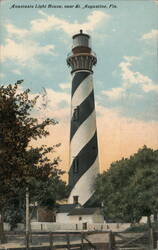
{"x":133,"y":241}
{"x":49,"y":226}
{"x":85,"y":240}
{"x":58,"y":240}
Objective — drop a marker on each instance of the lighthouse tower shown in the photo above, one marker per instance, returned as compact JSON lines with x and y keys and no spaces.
{"x":84,"y":165}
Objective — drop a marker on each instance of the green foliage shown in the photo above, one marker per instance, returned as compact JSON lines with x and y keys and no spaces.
{"x":14,"y":211}
{"x":129,"y":188}
{"x":21,"y":165}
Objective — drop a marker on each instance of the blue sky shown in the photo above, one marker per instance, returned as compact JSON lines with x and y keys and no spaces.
{"x":35,"y":43}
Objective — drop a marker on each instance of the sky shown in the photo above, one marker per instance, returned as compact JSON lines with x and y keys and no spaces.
{"x":36,"y":37}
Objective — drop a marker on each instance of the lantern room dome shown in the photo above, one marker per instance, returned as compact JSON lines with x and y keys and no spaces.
{"x":81,"y":43}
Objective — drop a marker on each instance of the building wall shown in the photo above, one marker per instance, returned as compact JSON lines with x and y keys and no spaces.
{"x":81,"y":218}
{"x":98,"y":218}
{"x":62,"y":218}
{"x":95,"y":218}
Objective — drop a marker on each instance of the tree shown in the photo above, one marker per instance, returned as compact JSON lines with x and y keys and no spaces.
{"x":21,"y":165}
{"x":129,"y":188}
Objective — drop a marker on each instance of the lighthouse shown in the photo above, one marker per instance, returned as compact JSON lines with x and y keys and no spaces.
{"x":84,"y":164}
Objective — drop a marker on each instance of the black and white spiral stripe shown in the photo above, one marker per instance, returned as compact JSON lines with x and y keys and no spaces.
{"x":84,"y":164}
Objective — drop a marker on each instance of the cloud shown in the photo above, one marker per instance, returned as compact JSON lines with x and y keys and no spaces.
{"x":130,"y":77}
{"x":23,"y":47}
{"x":150,"y":87}
{"x":22,"y":52}
{"x":114,"y":93}
{"x":52,"y":22}
{"x":130,"y":59}
{"x":16,"y":71}
{"x":51,"y":102}
{"x":2,"y":75}
{"x":48,"y":23}
{"x":66,"y":85}
{"x":13,"y":30}
{"x":153,"y":34}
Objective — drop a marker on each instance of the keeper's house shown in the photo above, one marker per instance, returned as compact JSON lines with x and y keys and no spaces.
{"x":89,"y":215}
{"x":70,"y":213}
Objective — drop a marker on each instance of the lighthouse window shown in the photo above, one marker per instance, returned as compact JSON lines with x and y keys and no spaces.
{"x":75,"y":168}
{"x":75,"y":199}
{"x":76,"y":114}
